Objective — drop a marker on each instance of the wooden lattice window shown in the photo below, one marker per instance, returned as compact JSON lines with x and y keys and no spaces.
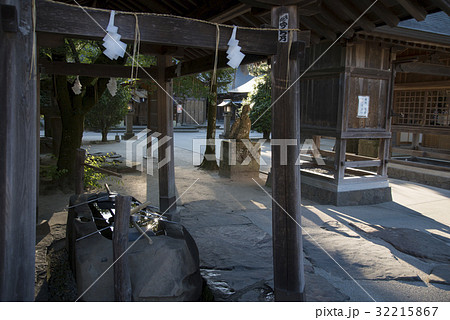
{"x":422,"y":107}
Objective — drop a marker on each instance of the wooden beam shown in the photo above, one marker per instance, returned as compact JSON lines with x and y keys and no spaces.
{"x":257,"y":4}
{"x":383,"y":12}
{"x":93,"y":70}
{"x":207,"y":63}
{"x":318,"y":27}
{"x":327,"y":17}
{"x":362,"y":164}
{"x":48,"y":40}
{"x":365,"y":134}
{"x":441,"y":130}
{"x":422,"y":153}
{"x":18,"y":153}
{"x":122,"y":279}
{"x":348,"y":9}
{"x":423,"y":85}
{"x":310,"y":8}
{"x":414,"y":9}
{"x":72,"y":21}
{"x":153,"y":49}
{"x":288,"y":257}
{"x":420,"y":165}
{"x":231,"y":13}
{"x":423,"y":68}
{"x":444,"y":5}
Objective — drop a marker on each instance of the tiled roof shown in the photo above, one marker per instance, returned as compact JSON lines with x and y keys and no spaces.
{"x":438,"y":22}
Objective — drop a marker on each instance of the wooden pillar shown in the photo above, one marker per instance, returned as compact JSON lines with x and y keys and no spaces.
{"x":79,"y":170}
{"x":18,"y":152}
{"x":38,"y":135}
{"x":287,"y":235}
{"x":415,"y":141}
{"x":339,"y":159}
{"x":166,"y":161}
{"x":122,"y":280}
{"x":383,"y":154}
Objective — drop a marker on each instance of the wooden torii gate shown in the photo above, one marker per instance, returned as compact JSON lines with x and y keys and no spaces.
{"x":19,"y":138}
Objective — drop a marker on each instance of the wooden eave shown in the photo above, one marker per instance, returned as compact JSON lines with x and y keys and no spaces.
{"x":194,"y":42}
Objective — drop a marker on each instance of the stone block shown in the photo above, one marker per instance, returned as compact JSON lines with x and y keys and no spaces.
{"x":166,"y":270}
{"x":237,"y":160}
{"x":346,"y":198}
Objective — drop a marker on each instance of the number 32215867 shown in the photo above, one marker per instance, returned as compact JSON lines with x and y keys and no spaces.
{"x":406,"y":311}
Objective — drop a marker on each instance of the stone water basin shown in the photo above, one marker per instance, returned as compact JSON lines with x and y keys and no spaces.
{"x":166,"y":270}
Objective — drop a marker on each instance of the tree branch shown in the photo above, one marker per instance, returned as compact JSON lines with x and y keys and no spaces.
{"x":74,"y":50}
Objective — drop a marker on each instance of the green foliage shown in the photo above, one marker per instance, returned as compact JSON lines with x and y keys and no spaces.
{"x":91,"y":177}
{"x":51,"y":172}
{"x":258,"y":68}
{"x":261,"y":99}
{"x":143,"y":60}
{"x":83,"y":51}
{"x":109,"y":110}
{"x":190,"y":87}
{"x":95,"y":180}
{"x":199,"y":85}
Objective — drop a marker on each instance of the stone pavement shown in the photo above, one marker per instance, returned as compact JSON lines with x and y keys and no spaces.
{"x":396,"y":251}
{"x":235,"y":247}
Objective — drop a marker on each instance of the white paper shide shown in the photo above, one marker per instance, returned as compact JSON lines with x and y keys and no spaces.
{"x":114,"y":47}
{"x":76,"y":88}
{"x":234,"y":54}
{"x":112,"y":86}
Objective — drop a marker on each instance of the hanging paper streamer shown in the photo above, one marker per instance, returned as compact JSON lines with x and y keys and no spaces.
{"x":234,"y":54}
{"x":114,"y":47}
{"x":77,"y":86}
{"x":112,"y":86}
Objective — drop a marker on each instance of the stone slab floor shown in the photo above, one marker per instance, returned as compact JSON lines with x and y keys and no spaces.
{"x":396,"y":251}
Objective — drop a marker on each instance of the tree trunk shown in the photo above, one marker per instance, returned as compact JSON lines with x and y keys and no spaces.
{"x":209,"y":161}
{"x":105,"y":135}
{"x":72,"y":133}
{"x":73,"y":109}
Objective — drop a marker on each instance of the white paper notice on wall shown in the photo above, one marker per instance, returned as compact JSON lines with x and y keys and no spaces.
{"x":179,"y":108}
{"x":283,"y":23}
{"x":363,"y":106}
